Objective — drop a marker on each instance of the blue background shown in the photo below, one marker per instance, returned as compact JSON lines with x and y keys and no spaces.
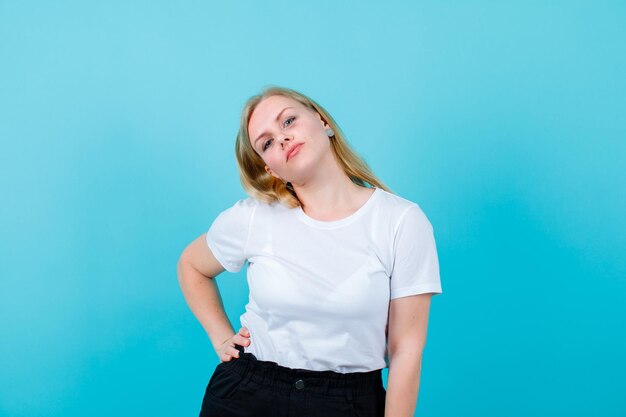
{"x":503,"y":120}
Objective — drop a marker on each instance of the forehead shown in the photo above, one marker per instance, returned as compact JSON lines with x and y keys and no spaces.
{"x":265,"y":113}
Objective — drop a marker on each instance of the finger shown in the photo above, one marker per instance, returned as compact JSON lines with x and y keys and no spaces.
{"x":244,"y":333}
{"x":241,"y":340}
{"x":225,"y":357}
{"x":235,"y":352}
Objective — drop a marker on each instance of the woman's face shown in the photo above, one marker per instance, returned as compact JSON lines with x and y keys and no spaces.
{"x":279,"y":125}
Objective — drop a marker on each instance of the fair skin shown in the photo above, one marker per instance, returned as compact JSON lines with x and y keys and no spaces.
{"x":326,"y":194}
{"x":323,"y":188}
{"x":408,"y":324}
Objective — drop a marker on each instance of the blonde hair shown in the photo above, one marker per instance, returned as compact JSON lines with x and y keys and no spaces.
{"x":261,"y":185}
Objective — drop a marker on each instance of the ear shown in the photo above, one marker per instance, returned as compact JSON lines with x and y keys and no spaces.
{"x":324,"y":124}
{"x":269,"y":171}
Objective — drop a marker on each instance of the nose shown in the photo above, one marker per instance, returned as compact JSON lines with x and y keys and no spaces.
{"x":284,"y":139}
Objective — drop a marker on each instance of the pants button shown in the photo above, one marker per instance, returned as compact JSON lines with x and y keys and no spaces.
{"x":299,"y":384}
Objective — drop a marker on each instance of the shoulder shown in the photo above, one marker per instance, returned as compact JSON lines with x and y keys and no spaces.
{"x":241,"y":210}
{"x":252,"y":207}
{"x":402,"y":210}
{"x":247,"y":204}
{"x":399,"y":206}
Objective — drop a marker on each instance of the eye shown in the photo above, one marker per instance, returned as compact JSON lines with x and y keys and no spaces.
{"x":268,"y":143}
{"x":291,"y":118}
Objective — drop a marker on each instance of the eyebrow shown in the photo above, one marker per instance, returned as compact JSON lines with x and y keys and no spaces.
{"x":277,"y":117}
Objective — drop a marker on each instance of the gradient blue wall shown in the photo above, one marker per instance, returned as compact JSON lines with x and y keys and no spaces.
{"x":503,"y":120}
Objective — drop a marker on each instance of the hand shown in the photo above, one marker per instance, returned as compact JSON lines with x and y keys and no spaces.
{"x":227,"y":350}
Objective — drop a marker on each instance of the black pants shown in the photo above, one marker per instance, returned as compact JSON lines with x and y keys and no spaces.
{"x":246,"y":386}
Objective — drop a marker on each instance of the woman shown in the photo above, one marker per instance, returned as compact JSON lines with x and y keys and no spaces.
{"x":340,"y":273}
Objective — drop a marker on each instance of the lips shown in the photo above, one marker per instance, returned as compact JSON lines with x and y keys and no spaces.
{"x":293,"y":149}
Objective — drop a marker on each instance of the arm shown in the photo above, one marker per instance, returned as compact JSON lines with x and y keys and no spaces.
{"x":197,"y":268}
{"x":408,"y":322}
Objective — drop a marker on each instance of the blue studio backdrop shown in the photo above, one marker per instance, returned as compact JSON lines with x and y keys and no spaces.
{"x":503,"y":120}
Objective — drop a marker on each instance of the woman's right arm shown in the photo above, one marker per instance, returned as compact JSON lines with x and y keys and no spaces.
{"x":197,"y":268}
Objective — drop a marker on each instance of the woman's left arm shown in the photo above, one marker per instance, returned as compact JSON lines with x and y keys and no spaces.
{"x":408,"y":322}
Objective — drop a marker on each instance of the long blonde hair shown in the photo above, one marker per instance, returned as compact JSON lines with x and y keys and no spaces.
{"x":261,"y":185}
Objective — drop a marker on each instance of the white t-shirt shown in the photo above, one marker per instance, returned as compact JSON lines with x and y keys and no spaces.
{"x":320,"y":290}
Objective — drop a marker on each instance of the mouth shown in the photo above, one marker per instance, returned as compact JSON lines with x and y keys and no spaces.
{"x":294,"y":150}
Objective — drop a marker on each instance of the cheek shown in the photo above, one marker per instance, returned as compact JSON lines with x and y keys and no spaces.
{"x":273,"y":158}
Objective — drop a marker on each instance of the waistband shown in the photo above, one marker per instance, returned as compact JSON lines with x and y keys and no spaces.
{"x":285,"y":379}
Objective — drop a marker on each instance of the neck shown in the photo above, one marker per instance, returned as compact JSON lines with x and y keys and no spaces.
{"x":330,"y":193}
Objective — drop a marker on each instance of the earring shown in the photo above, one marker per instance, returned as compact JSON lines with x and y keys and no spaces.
{"x":329,"y":132}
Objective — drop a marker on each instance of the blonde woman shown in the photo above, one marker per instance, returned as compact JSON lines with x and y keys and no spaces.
{"x":341,"y":272}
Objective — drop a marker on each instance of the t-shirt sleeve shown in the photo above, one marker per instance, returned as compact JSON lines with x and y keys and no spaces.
{"x":415,"y":261}
{"x":228,"y":235}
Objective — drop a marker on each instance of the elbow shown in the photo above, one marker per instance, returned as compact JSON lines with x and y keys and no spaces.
{"x":408,"y":353}
{"x":186,"y":269}
{"x":413,"y":350}
{"x":181,"y":266}
{"x":406,"y":360}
